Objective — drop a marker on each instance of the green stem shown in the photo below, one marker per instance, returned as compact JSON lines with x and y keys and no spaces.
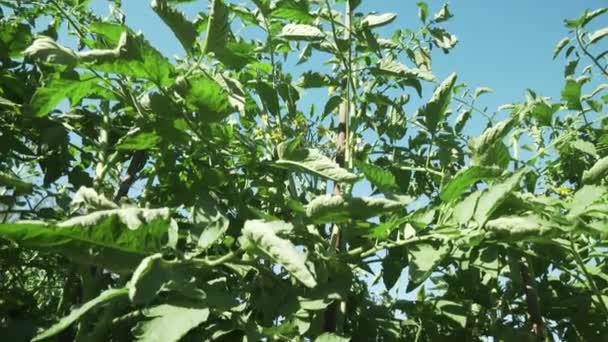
{"x":588,"y":54}
{"x":590,"y":283}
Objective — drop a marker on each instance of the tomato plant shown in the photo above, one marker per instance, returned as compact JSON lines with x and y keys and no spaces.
{"x":200,"y":199}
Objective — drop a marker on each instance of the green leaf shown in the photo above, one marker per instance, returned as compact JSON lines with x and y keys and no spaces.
{"x":205,"y":96}
{"x":311,"y":79}
{"x":378,"y":20}
{"x":584,"y":197}
{"x":20,"y":187}
{"x":560,"y":46}
{"x":572,"y":94}
{"x":313,"y":162}
{"x":117,"y":239}
{"x":463,"y":180}
{"x":332,"y":104}
{"x":183,"y":29}
{"x":433,"y":111}
{"x":14,"y":38}
{"x":153,"y":275}
{"x":597,"y":172}
{"x":47,"y":98}
{"x":301,"y":32}
{"x":331,"y":337}
{"x":395,"y":68}
{"x":140,"y":141}
{"x":583,"y":20}
{"x":597,"y":35}
{"x":454,"y":311}
{"x":214,"y":224}
{"x":423,"y":10}
{"x":383,"y":179}
{"x":443,"y":39}
{"x":336,"y":208}
{"x":464,"y":210}
{"x":260,"y":236}
{"x":481,"y":90}
{"x":168,"y":322}
{"x":135,"y":57}
{"x":443,"y":14}
{"x":105,"y":297}
{"x":519,"y":228}
{"x":218,"y":28}
{"x":392,"y":266}
{"x":585,"y":146}
{"x":485,"y":147}
{"x":493,"y":197}
{"x":424,"y":259}
{"x":293,"y":11}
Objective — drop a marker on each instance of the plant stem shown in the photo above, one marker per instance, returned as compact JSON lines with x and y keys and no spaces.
{"x":532,"y":301}
{"x":586,"y":52}
{"x":331,"y":314}
{"x":590,"y":283}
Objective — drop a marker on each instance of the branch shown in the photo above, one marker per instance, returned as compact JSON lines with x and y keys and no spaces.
{"x":586,"y":52}
{"x":532,"y":300}
{"x":137,"y":163}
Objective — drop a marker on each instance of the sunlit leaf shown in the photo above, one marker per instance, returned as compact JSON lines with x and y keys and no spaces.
{"x":336,"y":208}
{"x":313,"y":162}
{"x":301,"y":32}
{"x":168,"y":322}
{"x":261,"y":236}
{"x":493,"y":197}
{"x":377,"y":20}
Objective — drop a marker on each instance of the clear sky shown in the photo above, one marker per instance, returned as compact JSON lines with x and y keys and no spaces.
{"x":504,"y":45}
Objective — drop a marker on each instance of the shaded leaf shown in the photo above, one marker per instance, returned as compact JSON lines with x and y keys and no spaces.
{"x":392,"y":266}
{"x":424,"y":259}
{"x":463,"y":180}
{"x":139,"y":141}
{"x":205,"y":96}
{"x":433,"y":111}
{"x":20,"y":187}
{"x":105,"y":297}
{"x":560,"y":46}
{"x":383,"y":179}
{"x":183,"y":30}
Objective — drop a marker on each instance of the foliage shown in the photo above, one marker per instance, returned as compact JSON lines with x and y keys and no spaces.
{"x":150,"y":199}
